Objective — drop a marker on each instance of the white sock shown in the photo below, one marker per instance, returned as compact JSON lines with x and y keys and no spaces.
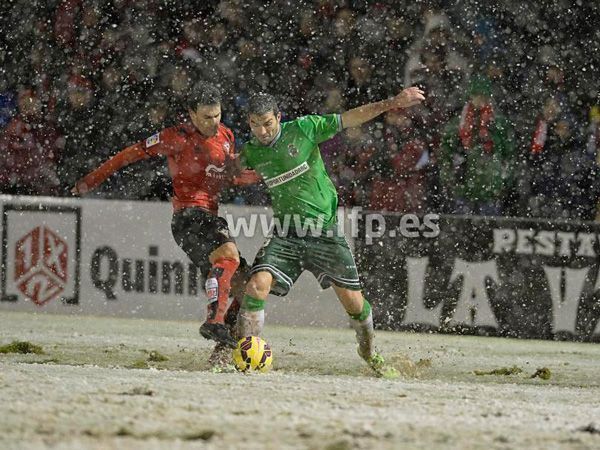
{"x":250,"y":323}
{"x":364,"y":335}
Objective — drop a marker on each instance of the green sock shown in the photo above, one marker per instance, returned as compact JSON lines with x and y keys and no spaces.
{"x":250,"y":303}
{"x":366,"y":310}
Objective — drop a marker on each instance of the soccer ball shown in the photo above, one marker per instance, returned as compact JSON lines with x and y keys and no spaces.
{"x":252,"y":353}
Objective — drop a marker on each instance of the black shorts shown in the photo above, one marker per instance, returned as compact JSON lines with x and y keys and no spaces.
{"x":199,"y":233}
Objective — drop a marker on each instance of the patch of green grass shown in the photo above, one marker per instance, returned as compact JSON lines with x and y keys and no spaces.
{"x":204,"y":435}
{"x":123,"y":431}
{"x":339,"y":445}
{"x":91,"y":433}
{"x":544,"y":373}
{"x":43,"y":361}
{"x":590,"y":428}
{"x":514,"y":370}
{"x":22,"y":347}
{"x":139,"y":364}
{"x":139,"y":391}
{"x":155,"y":356}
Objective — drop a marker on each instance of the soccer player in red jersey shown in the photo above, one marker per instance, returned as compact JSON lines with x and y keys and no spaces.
{"x":200,"y":156}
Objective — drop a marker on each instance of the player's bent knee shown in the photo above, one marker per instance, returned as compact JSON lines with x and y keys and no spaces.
{"x":345,"y":294}
{"x":226,"y":251}
{"x":259,"y":285}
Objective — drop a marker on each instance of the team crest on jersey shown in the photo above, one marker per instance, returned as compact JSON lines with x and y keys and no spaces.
{"x":226,"y":147}
{"x":293,"y":150}
{"x":153,"y":140}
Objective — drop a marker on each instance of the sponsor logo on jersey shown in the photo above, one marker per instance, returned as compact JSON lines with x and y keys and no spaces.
{"x":215,"y":172}
{"x":153,"y":140}
{"x":287,"y":176}
{"x":293,"y":150}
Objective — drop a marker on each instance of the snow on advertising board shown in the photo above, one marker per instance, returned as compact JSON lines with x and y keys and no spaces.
{"x":118,"y":258}
{"x":498,"y":276}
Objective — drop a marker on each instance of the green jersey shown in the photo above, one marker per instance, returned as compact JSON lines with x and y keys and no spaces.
{"x":293,"y":169}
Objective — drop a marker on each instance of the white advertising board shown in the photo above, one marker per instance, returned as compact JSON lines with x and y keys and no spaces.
{"x":118,"y":258}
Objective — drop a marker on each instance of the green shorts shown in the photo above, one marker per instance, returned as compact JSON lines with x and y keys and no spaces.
{"x":328,"y":258}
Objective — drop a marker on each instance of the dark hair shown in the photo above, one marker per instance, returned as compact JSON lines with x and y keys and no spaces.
{"x":262,"y":103}
{"x":202,"y":94}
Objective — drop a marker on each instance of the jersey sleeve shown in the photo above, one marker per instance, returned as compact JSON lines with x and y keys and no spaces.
{"x":123,"y":158}
{"x":166,"y":142}
{"x":320,"y":128}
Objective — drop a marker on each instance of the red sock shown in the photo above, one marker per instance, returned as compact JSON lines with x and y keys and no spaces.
{"x":218,"y":285}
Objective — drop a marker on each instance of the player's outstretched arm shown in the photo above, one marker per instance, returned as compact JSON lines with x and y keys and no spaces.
{"x":123,"y":158}
{"x":408,"y":97}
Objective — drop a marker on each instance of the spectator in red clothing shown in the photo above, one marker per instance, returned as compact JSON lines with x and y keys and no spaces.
{"x":353,"y":166}
{"x":560,"y":171}
{"x":29,"y":148}
{"x":403,"y":187}
{"x":65,"y":30}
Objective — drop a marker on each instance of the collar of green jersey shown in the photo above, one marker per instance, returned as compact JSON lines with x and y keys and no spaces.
{"x":276,"y":138}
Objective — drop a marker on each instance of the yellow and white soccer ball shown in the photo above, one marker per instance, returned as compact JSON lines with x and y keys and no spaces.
{"x":252,"y":354}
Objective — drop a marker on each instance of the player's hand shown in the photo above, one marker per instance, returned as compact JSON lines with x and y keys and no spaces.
{"x":408,"y":97}
{"x":80,"y":188}
{"x":246,"y":177}
{"x":232,"y":166}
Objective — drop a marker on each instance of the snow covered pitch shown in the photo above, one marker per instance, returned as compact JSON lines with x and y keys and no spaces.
{"x":105,"y":383}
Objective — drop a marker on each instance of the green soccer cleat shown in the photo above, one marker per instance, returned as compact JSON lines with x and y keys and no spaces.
{"x":377,"y":363}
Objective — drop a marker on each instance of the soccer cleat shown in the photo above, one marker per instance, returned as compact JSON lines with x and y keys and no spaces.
{"x":218,"y":332}
{"x":377,"y":363}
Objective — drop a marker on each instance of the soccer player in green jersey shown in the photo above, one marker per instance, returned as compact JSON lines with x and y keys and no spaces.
{"x":287,"y":157}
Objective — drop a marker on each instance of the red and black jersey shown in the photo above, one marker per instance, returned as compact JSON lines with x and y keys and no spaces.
{"x":197,"y":164}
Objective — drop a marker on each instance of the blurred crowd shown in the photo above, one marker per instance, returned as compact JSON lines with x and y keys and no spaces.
{"x":510,"y":125}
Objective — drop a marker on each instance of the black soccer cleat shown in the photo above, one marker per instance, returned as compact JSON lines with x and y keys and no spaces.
{"x":218,"y":332}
